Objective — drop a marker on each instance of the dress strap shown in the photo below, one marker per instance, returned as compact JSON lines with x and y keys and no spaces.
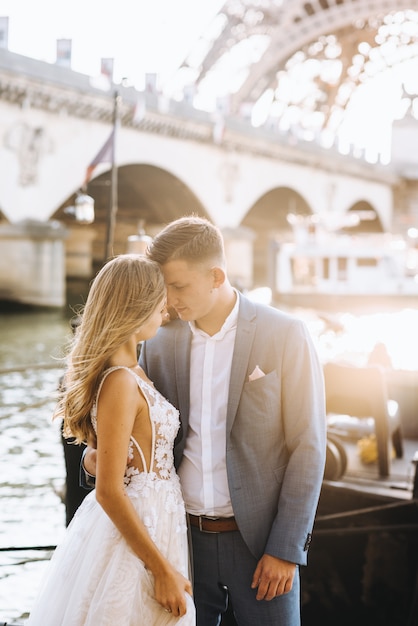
{"x":141,"y":454}
{"x":131,"y":438}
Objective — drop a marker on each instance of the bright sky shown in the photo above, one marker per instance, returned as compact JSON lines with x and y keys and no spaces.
{"x":140,"y":35}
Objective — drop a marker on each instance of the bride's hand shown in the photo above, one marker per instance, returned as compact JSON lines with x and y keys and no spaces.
{"x":170,"y":591}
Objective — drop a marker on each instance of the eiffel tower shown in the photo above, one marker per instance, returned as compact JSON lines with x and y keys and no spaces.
{"x":265,"y":44}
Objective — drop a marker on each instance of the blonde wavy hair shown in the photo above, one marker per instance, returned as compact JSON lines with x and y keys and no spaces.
{"x":122,"y":296}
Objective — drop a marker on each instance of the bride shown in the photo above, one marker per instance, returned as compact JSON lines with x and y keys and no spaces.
{"x":124,"y":557}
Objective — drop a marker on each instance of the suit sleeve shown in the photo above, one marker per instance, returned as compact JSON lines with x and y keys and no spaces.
{"x":304,"y":423}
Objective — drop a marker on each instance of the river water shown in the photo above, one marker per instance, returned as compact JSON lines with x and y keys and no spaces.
{"x":31,"y":461}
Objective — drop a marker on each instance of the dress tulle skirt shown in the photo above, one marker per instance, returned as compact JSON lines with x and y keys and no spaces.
{"x":94,"y":578}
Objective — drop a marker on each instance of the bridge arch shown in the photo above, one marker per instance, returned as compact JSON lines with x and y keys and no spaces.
{"x":370,"y":221}
{"x":267,"y":219}
{"x":147,"y":195}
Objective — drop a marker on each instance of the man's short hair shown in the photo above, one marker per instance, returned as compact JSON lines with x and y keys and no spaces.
{"x":192,"y":239}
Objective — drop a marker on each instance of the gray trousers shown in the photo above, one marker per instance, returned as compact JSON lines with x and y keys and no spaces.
{"x":223,"y":568}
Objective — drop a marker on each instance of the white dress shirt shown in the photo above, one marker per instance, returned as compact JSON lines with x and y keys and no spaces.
{"x":203,"y":468}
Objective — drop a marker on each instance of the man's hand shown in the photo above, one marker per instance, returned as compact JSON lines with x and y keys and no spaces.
{"x":89,"y":461}
{"x":273,"y":577}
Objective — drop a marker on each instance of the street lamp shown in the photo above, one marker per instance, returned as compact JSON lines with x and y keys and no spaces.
{"x":139,"y":243}
{"x":84,"y":208}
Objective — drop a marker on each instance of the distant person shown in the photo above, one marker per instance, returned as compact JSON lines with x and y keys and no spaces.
{"x":124,"y":558}
{"x":380,"y":356}
{"x":251,"y":447}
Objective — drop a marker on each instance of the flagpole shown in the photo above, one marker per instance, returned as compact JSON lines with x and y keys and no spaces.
{"x":113,"y":200}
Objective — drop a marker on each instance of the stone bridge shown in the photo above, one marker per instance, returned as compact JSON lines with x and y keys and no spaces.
{"x":170,"y":159}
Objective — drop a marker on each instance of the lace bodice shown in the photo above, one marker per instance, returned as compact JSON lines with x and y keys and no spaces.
{"x":165,"y":423}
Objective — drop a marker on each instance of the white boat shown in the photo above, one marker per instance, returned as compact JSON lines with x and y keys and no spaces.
{"x":320,"y":264}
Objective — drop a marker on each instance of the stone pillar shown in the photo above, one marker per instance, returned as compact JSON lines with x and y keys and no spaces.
{"x":79,"y":251}
{"x":239,"y":256}
{"x":32,"y":263}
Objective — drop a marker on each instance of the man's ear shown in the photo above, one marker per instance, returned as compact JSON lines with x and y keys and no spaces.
{"x":218,"y":276}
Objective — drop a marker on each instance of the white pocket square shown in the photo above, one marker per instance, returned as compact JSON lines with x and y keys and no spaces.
{"x":256,"y":373}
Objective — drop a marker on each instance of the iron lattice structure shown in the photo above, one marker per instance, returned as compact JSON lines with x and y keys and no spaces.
{"x":340,"y":43}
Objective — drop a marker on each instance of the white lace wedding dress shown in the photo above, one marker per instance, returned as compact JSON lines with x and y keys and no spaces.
{"x":94,"y":578}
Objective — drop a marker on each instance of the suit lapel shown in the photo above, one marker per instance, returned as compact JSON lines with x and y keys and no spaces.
{"x":182,"y":370}
{"x":244,"y":339}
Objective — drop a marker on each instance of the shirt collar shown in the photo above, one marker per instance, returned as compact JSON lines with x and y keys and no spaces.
{"x":229,"y":323}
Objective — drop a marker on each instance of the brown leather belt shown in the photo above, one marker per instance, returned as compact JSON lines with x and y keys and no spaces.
{"x":213,"y":525}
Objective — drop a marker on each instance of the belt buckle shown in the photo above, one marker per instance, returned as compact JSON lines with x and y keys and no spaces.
{"x":202,"y":530}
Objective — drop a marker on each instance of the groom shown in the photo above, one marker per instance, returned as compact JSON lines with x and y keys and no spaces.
{"x":251,"y":448}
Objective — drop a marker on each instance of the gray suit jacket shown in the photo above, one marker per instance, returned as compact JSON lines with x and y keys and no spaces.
{"x":275,"y":431}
